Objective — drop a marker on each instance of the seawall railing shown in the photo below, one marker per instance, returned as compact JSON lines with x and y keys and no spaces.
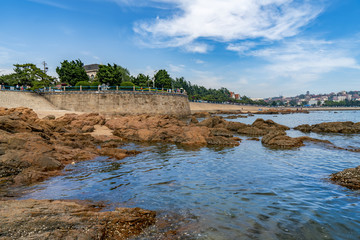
{"x":104,"y":89}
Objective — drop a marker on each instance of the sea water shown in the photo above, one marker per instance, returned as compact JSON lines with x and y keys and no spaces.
{"x":244,"y":192}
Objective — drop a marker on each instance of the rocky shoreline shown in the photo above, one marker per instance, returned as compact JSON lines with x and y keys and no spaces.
{"x":33,"y":149}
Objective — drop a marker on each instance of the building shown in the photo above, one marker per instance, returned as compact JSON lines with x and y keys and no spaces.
{"x":91,"y":70}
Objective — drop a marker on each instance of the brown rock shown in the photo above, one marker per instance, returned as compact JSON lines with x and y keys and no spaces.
{"x":218,"y":140}
{"x":279,"y":139}
{"x":49,"y":117}
{"x":48,"y":219}
{"x":194,"y":120}
{"x":212,"y":122}
{"x":235,"y":126}
{"x":221,"y":132}
{"x":252,"y":131}
{"x":331,"y":127}
{"x":269,"y":125}
{"x":349,"y":178}
{"x":201,"y":114}
{"x":116,"y":153}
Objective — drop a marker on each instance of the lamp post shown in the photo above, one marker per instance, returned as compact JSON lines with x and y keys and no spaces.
{"x":154,"y":78}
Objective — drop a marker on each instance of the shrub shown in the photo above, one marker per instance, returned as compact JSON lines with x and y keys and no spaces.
{"x":127,"y":84}
{"x":95,"y":84}
{"x":82,"y":83}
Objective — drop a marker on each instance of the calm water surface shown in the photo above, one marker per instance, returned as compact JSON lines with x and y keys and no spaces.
{"x":245,"y":192}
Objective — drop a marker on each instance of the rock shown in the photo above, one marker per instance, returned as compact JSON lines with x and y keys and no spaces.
{"x":349,"y":178}
{"x":144,"y":128}
{"x":218,"y":140}
{"x":194,"y":120}
{"x":304,"y":128}
{"x":269,"y":125}
{"x":201,"y":114}
{"x":212,"y":122}
{"x":221,"y":132}
{"x":331,"y":127}
{"x":49,"y":117}
{"x":252,"y":131}
{"x":235,"y":117}
{"x":48,"y":219}
{"x":116,"y":153}
{"x":253,"y":139}
{"x":234,"y":126}
{"x":279,"y":139}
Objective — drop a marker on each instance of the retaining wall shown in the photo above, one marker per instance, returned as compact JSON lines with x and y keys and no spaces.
{"x":13,"y":99}
{"x":112,"y":102}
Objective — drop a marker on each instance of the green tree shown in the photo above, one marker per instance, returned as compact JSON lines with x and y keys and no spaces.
{"x":162,"y":79}
{"x":27,"y":75}
{"x":72,"y":72}
{"x":9,"y":79}
{"x":112,"y":74}
{"x":141,"y":80}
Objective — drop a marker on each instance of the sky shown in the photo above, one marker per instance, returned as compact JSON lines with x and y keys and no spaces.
{"x":257,"y":48}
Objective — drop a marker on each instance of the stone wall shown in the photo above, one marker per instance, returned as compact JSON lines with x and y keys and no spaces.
{"x":121,"y":102}
{"x":12,"y":99}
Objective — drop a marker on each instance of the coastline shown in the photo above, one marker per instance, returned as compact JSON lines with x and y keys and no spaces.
{"x":202,"y":107}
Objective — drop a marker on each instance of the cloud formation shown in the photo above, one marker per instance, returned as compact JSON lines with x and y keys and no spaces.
{"x":305,"y":60}
{"x":227,"y":21}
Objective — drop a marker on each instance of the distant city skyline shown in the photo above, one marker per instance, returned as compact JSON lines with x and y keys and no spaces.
{"x":255,"y":48}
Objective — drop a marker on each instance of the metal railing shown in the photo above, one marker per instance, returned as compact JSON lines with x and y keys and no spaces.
{"x":100,"y":88}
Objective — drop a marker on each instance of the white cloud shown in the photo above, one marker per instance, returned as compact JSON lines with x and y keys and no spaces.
{"x":206,"y":79}
{"x":6,"y":71}
{"x":227,"y":21}
{"x":197,"y":47}
{"x":306,"y":60}
{"x":199,"y":61}
{"x":176,"y":68}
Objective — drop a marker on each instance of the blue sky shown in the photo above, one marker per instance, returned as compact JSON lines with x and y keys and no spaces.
{"x":258,"y":48}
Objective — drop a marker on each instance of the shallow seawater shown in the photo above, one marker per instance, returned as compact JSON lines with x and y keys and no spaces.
{"x":245,"y":192}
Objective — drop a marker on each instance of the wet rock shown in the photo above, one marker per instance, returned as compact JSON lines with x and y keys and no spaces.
{"x":212,"y":122}
{"x":279,"y":139}
{"x":235,"y":117}
{"x":252,"y":131}
{"x":117,"y":153}
{"x":144,"y":128}
{"x":218,"y":140}
{"x":221,"y":132}
{"x":235,"y":126}
{"x":269,"y":125}
{"x":304,"y":128}
{"x":349,"y":178}
{"x":201,"y":114}
{"x":331,"y":127}
{"x":194,"y":120}
{"x":48,"y":219}
{"x":253,"y":139}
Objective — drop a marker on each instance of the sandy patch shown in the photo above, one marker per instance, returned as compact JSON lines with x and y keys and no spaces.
{"x":198,"y":107}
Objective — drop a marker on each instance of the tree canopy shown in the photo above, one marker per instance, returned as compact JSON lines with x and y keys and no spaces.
{"x":113,"y":75}
{"x":72,"y":72}
{"x":142,"y":80}
{"x":162,"y":79}
{"x":27,"y":75}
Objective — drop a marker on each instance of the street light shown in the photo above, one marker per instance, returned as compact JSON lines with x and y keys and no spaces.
{"x":154,"y":78}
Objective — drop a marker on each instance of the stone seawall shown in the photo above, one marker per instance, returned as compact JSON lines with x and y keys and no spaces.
{"x":112,"y":102}
{"x":13,"y":99}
